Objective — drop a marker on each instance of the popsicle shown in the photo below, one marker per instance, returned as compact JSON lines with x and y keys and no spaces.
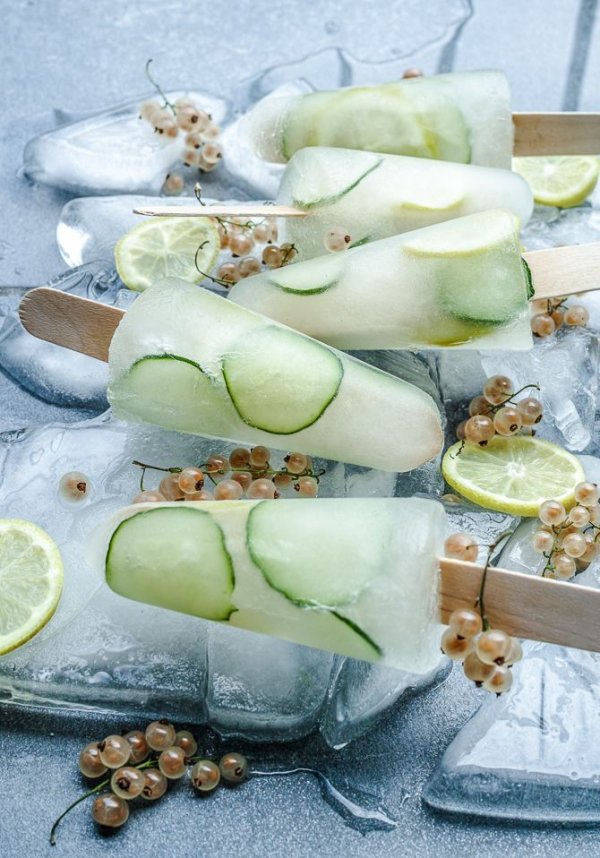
{"x":373,"y":196}
{"x":462,"y":117}
{"x":458,"y":283}
{"x":357,"y":576}
{"x":189,"y":360}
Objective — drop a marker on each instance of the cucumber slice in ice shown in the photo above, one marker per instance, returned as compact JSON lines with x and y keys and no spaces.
{"x":172,"y":557}
{"x":171,"y":391}
{"x":467,"y":291}
{"x":316,"y":574}
{"x":328,"y":180}
{"x":280,"y":381}
{"x":325,"y":629}
{"x":309,"y":278}
{"x":474,"y":234}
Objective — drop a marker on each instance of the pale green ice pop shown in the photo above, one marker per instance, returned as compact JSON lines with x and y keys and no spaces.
{"x":463,"y":117}
{"x":459,"y":283}
{"x":371,"y":196}
{"x":350,"y":575}
{"x":189,"y":360}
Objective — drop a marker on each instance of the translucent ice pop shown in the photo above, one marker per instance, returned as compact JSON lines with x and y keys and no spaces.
{"x":188,"y":360}
{"x":462,"y":117}
{"x":373,"y":196}
{"x":459,"y":283}
{"x":353,"y":576}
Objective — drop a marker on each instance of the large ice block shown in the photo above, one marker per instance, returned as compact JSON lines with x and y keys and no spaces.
{"x":461,"y":117}
{"x":459,"y":283}
{"x":352,"y":576}
{"x":188,"y":360}
{"x":373,"y":196}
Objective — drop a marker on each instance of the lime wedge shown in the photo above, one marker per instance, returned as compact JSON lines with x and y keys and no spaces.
{"x":167,"y":247}
{"x":473,"y":234}
{"x":513,"y":475}
{"x":31,"y":580}
{"x":563,"y":181}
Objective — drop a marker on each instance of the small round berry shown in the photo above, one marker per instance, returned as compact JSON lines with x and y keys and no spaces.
{"x":115,"y":751}
{"x":244,"y":478}
{"x":579,"y":516}
{"x":173,"y":184}
{"x":74,"y":487}
{"x":540,"y":305}
{"x":454,"y":646}
{"x":412,"y":72}
{"x":187,"y":117}
{"x":574,"y":545}
{"x":259,"y":457}
{"x":515,"y":654}
{"x":289,"y":253}
{"x":172,"y":762}
{"x":148,"y":110}
{"x":531,"y":410}
{"x":460,"y":430}
{"x":212,"y":154}
{"x":493,"y":646}
{"x":465,"y":622}
{"x":228,"y":490}
{"x":169,"y":487}
{"x":217,"y":465}
{"x":229,"y":273}
{"x":249,"y":266}
{"x":261,"y":232}
{"x":140,"y":748}
{"x":155,"y":784}
{"x":90,"y":763}
{"x":233,"y":768}
{"x":149,"y":497}
{"x":576,"y":316}
{"x":591,"y":550}
{"x":127,"y":782}
{"x":479,"y":430}
{"x":241,"y":245}
{"x":191,"y":480}
{"x":507,"y":420}
{"x":543,"y":325}
{"x":272,"y":256}
{"x":552,"y":513}
{"x":193,"y":140}
{"x":261,"y":488}
{"x":558,"y":317}
{"x":336,"y":239}
{"x":204,"y":495}
{"x":587,"y":494}
{"x":296,"y":463}
{"x":499,"y":681}
{"x":307,"y":487}
{"x":595,"y":515}
{"x":543,"y":541}
{"x":184,"y":739}
{"x":202,"y":121}
{"x":461,"y":546}
{"x":160,"y":735}
{"x":239,"y":458}
{"x":479,"y":405}
{"x":282,"y":481}
{"x":110,"y":810}
{"x":211,"y":132}
{"x":497,"y":389}
{"x":476,"y":670}
{"x":205,"y":776}
{"x":564,"y":566}
{"x":190,"y":157}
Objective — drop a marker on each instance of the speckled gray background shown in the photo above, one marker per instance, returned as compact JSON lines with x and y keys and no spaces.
{"x":79,"y":55}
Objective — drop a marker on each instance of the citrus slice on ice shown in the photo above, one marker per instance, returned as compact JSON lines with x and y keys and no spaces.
{"x":513,"y":475}
{"x":563,"y":181}
{"x":160,"y":247}
{"x":31,"y":580}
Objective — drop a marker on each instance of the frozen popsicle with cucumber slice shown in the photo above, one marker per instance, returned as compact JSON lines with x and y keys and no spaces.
{"x":458,"y":283}
{"x":361,"y":577}
{"x":188,"y":360}
{"x":373,"y":196}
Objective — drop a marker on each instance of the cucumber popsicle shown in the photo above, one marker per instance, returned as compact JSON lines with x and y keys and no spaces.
{"x":373,"y":196}
{"x":355,"y":576}
{"x":463,"y":117}
{"x":188,"y":360}
{"x":462,"y":283}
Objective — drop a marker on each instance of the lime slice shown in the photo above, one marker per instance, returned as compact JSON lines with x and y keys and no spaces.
{"x":513,"y":475}
{"x":468,"y":236}
{"x":167,"y":247}
{"x":31,"y":580}
{"x":563,"y":181}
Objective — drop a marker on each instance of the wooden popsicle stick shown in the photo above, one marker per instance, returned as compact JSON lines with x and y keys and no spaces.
{"x":565,"y":270}
{"x":234,"y":210}
{"x":556,"y":133}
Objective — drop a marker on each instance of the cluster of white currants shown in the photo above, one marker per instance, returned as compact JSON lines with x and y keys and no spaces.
{"x":240,"y":237}
{"x":496,"y":412}
{"x":569,"y":540}
{"x":244,"y":473}
{"x":549,"y":314}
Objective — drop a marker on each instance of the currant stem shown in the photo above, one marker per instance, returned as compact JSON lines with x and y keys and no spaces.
{"x":158,"y":88}
{"x":479,"y":603}
{"x":144,"y":465}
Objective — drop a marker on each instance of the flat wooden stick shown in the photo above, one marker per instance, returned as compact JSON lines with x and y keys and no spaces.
{"x":557,"y":133}
{"x":565,"y":270}
{"x":234,"y":210}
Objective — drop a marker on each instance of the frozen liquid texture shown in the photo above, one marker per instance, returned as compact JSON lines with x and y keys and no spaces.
{"x":461,"y":283}
{"x":462,"y":117}
{"x":373,"y":196}
{"x":194,"y":362}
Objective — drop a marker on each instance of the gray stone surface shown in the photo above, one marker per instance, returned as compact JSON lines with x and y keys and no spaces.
{"x":78,"y":56}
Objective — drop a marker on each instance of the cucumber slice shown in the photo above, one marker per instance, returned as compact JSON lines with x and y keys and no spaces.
{"x":326,"y":630}
{"x":172,"y":557}
{"x":468,"y":292}
{"x":474,"y":234}
{"x":300,"y":123}
{"x":280,"y":381}
{"x":171,"y":391}
{"x":309,"y":278}
{"x":327,"y":180}
{"x":320,"y":572}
